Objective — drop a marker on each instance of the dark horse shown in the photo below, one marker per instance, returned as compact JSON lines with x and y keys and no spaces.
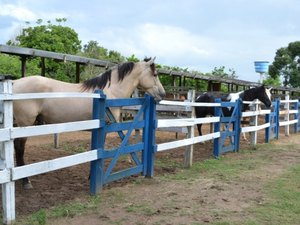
{"x":261,"y":93}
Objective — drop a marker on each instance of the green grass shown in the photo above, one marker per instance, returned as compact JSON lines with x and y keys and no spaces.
{"x":69,"y":210}
{"x":283,"y":205}
{"x":143,"y":209}
{"x":225,"y":168}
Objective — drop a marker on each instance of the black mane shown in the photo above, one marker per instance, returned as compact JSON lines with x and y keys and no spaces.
{"x":251,"y":94}
{"x":99,"y":82}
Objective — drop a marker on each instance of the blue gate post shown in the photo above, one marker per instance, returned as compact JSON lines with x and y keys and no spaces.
{"x":98,"y":140}
{"x":237,"y":125}
{"x":277,"y":109}
{"x":217,"y":125}
{"x":268,"y":129}
{"x":298,"y":124}
{"x":296,"y":117}
{"x":149,"y":136}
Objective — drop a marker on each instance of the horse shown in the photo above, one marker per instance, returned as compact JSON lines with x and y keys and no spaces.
{"x":261,"y":93}
{"x":118,"y":82}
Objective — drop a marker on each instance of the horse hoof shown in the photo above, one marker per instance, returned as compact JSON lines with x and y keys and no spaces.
{"x":27,"y":186}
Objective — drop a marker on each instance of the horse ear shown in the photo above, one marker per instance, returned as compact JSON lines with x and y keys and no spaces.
{"x":269,"y":89}
{"x":151,"y":61}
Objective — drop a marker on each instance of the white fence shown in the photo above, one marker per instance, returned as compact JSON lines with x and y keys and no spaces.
{"x":253,"y":116}
{"x":8,"y":133}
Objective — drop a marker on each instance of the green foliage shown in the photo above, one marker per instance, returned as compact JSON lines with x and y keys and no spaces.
{"x":49,"y":37}
{"x":93,"y":50}
{"x":220,"y":72}
{"x":272,"y":81}
{"x":11,"y":65}
{"x":54,"y":38}
{"x":286,"y":64}
{"x":132,"y":58}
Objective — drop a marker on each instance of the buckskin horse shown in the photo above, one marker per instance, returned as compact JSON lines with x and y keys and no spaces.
{"x":118,"y":82}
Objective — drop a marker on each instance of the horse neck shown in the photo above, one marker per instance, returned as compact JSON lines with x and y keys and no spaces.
{"x":249,"y":95}
{"x":124,"y":88}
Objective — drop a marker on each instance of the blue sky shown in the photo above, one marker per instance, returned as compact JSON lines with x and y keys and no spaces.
{"x":194,"y":34}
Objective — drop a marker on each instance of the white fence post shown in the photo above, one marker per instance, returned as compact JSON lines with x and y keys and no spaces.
{"x":188,"y":155}
{"x":287,"y":115}
{"x":8,"y":189}
{"x":254,"y":122}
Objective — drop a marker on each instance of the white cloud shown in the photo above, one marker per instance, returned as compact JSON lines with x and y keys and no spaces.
{"x":20,"y":13}
{"x":204,"y":35}
{"x":172,"y":40}
{"x":169,"y":44}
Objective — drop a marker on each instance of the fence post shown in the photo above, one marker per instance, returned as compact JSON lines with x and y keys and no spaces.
{"x":296,"y":116}
{"x":217,"y":125}
{"x":287,"y":115}
{"x":149,"y":136}
{"x":238,"y":125}
{"x":268,"y":129}
{"x":188,"y":155}
{"x":254,"y":122}
{"x":7,"y":152}
{"x":277,"y":118}
{"x":98,"y":141}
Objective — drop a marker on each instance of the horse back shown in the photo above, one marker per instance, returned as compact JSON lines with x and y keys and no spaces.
{"x":49,"y":110}
{"x":37,"y":84}
{"x":209,"y":97}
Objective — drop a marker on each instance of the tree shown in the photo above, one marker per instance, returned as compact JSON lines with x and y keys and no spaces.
{"x":272,"y":81}
{"x":49,"y":37}
{"x":220,"y":72}
{"x":93,"y":50}
{"x":132,"y":58}
{"x":286,"y":64}
{"x":54,"y":38}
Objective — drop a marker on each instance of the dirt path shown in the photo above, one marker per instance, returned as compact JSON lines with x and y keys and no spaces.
{"x":153,"y":201}
{"x":191,"y":201}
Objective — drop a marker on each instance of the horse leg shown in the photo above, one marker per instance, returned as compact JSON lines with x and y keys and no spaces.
{"x":20,"y":149}
{"x":199,"y":129}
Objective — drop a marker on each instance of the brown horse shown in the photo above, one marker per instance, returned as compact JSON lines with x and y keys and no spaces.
{"x":119,"y":82}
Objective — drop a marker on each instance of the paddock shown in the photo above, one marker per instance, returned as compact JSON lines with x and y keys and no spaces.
{"x":63,"y":185}
{"x":161,"y":150}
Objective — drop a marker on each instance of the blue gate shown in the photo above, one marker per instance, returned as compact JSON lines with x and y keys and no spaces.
{"x":142,"y":153}
{"x":272,"y":132}
{"x":229,"y":137}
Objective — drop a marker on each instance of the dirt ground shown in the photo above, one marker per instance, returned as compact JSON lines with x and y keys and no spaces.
{"x":71,"y":184}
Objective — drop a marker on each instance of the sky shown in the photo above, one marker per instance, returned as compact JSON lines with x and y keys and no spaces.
{"x":195,"y":34}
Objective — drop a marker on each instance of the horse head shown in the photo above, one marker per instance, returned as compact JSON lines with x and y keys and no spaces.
{"x":149,"y":80}
{"x":264,"y":95}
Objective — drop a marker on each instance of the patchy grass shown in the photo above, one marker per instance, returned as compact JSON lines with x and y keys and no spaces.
{"x":224,"y":168}
{"x":69,"y":210}
{"x":281,"y":204}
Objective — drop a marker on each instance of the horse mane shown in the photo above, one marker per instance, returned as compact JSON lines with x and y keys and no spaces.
{"x":250,"y":93}
{"x":100,"y":81}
